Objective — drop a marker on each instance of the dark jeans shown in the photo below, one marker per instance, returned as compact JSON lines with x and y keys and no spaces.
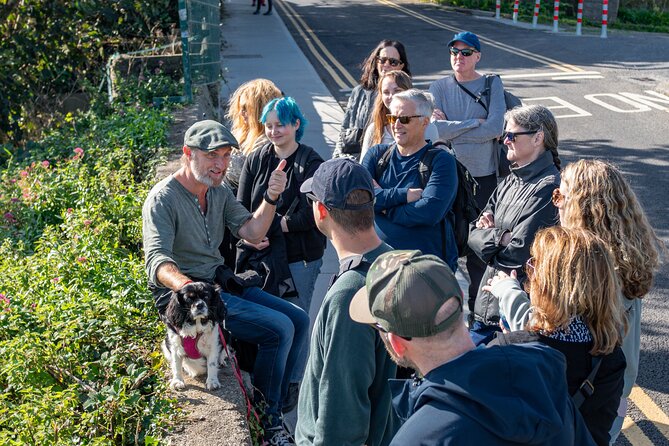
{"x":269,"y":6}
{"x":280,"y":329}
{"x":476,"y":266}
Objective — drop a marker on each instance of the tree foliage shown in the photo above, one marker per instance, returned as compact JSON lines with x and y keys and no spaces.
{"x":50,"y":49}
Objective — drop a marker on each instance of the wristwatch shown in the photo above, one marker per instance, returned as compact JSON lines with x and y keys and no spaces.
{"x":269,"y":200}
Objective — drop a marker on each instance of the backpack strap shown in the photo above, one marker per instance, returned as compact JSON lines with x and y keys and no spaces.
{"x":357,"y":263}
{"x":587,"y":387}
{"x":383,"y":161}
{"x":300,"y":163}
{"x":477,"y":99}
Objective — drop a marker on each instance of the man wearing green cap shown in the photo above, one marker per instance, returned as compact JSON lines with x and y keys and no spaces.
{"x":503,"y":395}
{"x":184,"y":219}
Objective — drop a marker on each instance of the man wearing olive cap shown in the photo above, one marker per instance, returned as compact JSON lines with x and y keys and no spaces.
{"x":502,"y":395}
{"x":184,"y":219}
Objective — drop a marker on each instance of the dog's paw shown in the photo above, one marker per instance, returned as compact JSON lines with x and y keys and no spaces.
{"x":177,"y":384}
{"x":213,"y":383}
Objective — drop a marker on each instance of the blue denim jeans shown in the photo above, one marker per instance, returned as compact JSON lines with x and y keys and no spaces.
{"x":280,"y":329}
{"x":304,"y":276}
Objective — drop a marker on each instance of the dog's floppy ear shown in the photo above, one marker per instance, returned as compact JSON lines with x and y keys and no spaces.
{"x":216,"y":304}
{"x":176,"y":310}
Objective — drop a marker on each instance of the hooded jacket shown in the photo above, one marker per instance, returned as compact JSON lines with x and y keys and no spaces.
{"x":502,"y":395}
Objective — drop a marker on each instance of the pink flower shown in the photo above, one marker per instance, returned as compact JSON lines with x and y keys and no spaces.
{"x":69,"y":210}
{"x":24,"y":173}
{"x":55,"y":279}
{"x":87,"y":222}
{"x":15,"y":200}
{"x":79,"y":151}
{"x":33,"y":305}
{"x":13,"y":181}
{"x":82,"y":259}
{"x":10,"y":217}
{"x":45,"y":164}
{"x":4,"y":299}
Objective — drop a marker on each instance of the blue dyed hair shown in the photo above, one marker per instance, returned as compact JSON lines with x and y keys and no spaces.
{"x":288,"y":112}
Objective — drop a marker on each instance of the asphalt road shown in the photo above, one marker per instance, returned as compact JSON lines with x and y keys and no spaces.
{"x":611,"y":98}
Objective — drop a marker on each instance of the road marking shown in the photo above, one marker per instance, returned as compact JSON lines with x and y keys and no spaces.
{"x":648,"y":407}
{"x":634,"y":434}
{"x":545,"y":101}
{"x":308,"y":39}
{"x":561,"y":66}
{"x":553,"y":75}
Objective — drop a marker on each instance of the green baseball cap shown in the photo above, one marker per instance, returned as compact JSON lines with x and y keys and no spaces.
{"x":403,"y":292}
{"x":209,"y":135}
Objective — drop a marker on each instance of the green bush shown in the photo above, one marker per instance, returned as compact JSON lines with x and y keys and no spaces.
{"x":78,"y":328}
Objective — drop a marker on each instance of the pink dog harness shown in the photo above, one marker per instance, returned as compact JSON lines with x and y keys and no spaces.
{"x":190,"y":347}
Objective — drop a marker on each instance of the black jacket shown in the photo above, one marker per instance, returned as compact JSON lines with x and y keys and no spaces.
{"x":304,"y":242}
{"x":600,"y":409}
{"x":522,"y":205}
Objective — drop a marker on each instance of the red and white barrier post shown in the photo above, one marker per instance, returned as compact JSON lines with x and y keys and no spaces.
{"x":556,"y":15}
{"x":515,"y":11}
{"x":579,"y":17}
{"x":498,"y":8}
{"x":535,"y":19}
{"x":605,"y":17}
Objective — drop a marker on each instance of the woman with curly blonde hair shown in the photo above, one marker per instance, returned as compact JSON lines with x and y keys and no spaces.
{"x":594,"y":195}
{"x":574,"y":307}
{"x":244,"y":109}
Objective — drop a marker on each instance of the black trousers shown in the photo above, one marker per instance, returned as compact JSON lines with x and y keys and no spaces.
{"x":475,"y":266}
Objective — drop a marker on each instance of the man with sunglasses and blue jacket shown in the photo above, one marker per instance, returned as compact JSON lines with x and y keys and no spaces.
{"x":471,"y":125}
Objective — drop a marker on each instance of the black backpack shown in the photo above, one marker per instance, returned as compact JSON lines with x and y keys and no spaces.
{"x":465,"y":209}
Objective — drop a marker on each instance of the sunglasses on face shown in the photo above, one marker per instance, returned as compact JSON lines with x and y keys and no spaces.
{"x":558,"y":198}
{"x":465,"y":51}
{"x":378,"y":327}
{"x":511,"y":136}
{"x":391,"y":60}
{"x":311,"y":199}
{"x":402,"y":119}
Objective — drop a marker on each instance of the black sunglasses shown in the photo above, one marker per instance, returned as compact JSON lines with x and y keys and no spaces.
{"x":311,"y":198}
{"x":465,"y":51}
{"x":402,"y":119}
{"x":391,"y":60}
{"x":383,"y":330}
{"x":511,"y":136}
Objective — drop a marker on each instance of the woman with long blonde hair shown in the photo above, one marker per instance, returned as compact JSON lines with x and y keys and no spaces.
{"x":574,"y":307}
{"x":594,"y":195}
{"x":244,"y":109}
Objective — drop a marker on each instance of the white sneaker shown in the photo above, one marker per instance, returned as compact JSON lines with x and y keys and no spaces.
{"x":278,"y":436}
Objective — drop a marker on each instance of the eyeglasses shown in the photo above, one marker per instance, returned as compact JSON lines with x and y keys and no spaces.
{"x":558,"y":198}
{"x":383,"y":330}
{"x":511,"y":136}
{"x":311,"y":198}
{"x":391,"y":60}
{"x":529,"y":267}
{"x":402,"y":119}
{"x":465,"y":51}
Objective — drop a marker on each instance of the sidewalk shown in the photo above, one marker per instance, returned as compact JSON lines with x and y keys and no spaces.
{"x":261,"y":46}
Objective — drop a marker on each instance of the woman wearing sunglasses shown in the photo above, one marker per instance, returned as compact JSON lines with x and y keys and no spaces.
{"x":379,"y":130}
{"x":595,"y":196}
{"x":574,"y":307}
{"x":518,"y":208}
{"x":471,"y":125}
{"x":387,"y":56}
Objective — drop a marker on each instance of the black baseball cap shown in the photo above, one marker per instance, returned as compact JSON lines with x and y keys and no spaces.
{"x":335,"y":179}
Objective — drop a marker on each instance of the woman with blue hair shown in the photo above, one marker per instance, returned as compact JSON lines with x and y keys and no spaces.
{"x":294,"y":223}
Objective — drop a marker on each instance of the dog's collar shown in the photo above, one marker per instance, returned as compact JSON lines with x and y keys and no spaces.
{"x":190,"y":347}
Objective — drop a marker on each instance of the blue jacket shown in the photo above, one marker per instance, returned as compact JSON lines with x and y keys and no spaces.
{"x":415,"y":225}
{"x":510,"y":395}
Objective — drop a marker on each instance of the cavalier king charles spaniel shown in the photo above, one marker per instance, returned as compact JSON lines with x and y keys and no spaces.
{"x":192,"y":342}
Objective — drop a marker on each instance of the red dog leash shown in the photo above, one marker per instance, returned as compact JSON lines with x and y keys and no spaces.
{"x":238,"y":374}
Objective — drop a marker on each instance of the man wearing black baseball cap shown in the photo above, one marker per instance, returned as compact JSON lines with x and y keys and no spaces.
{"x":503,"y":395}
{"x":184,"y":219}
{"x":471,"y":116}
{"x":345,"y":398}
